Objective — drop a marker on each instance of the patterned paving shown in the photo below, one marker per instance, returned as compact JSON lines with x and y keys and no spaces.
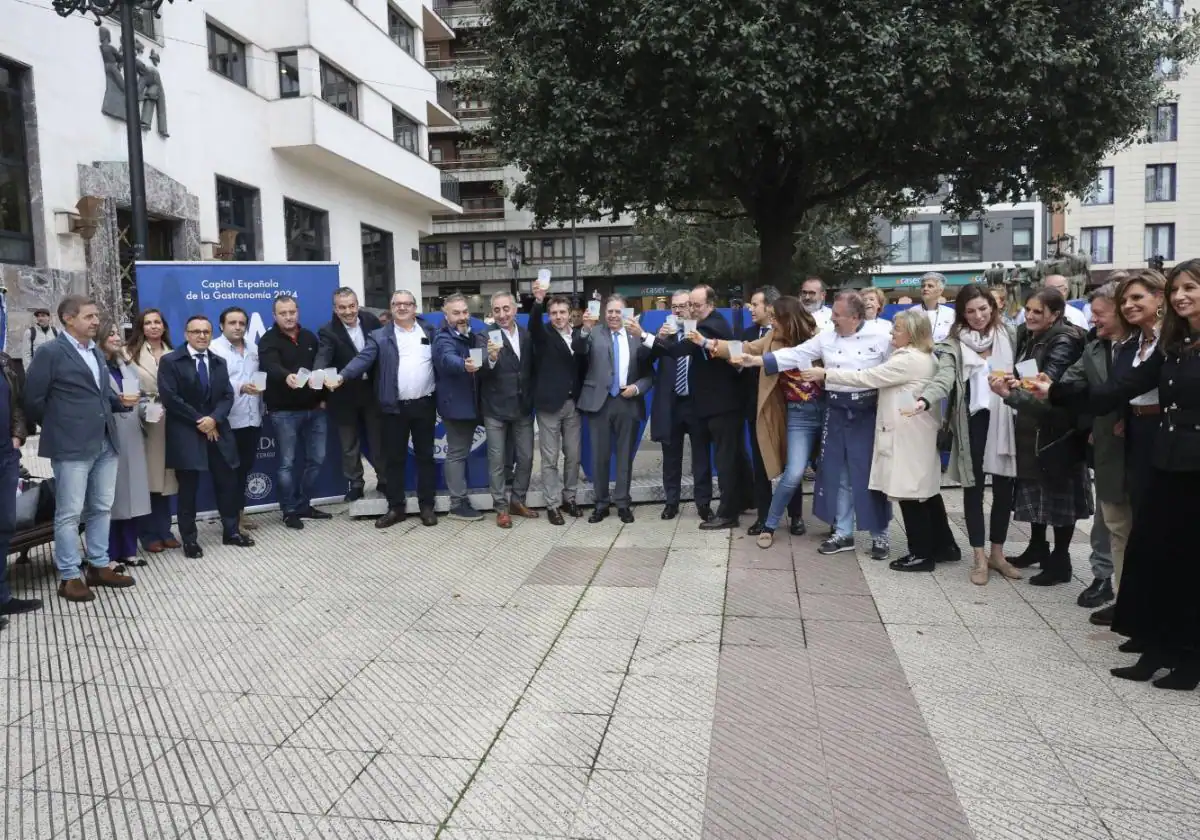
{"x":593,"y":681}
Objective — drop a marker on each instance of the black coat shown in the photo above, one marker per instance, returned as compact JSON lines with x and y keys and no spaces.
{"x":506,"y":390}
{"x":1054,"y":430}
{"x":715,"y":384}
{"x":335,"y":349}
{"x":279,"y":356}
{"x":558,"y":370}
{"x":185,"y":403}
{"x":749,"y":376}
{"x":663,"y":401}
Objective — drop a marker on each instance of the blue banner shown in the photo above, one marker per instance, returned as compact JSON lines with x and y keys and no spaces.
{"x":182,"y":289}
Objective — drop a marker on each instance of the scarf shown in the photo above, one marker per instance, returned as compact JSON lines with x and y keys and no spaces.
{"x":1000,"y":452}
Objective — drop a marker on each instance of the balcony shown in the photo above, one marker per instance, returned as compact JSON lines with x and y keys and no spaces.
{"x":450,"y":189}
{"x":468,"y":118}
{"x":468,"y":14}
{"x":462,"y":58}
{"x":469,"y":163}
{"x":484,"y":209}
{"x":434,"y":23}
{"x":440,"y":114}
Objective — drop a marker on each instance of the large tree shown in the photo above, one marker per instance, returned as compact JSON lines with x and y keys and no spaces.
{"x":783,"y":107}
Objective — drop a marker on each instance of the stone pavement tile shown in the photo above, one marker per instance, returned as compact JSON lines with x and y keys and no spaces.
{"x":675,"y":659}
{"x":879,"y":815}
{"x":738,"y":809}
{"x":39,"y":814}
{"x":618,"y":599}
{"x":195,"y":772}
{"x":764,"y":632}
{"x":1008,"y":771}
{"x":980,"y":717}
{"x":776,"y":702}
{"x":636,"y":806}
{"x":446,"y":731}
{"x":935,"y":674}
{"x":485,"y":687}
{"x":455,"y":618}
{"x":533,"y":800}
{"x":116,"y":819}
{"x":593,"y":624}
{"x":297,"y":781}
{"x":787,"y":755}
{"x":304,"y":676}
{"x":545,"y":596}
{"x":1150,"y":825}
{"x":647,"y":745}
{"x":343,"y":724}
{"x":991,"y":612}
{"x":1102,"y":723}
{"x":946,"y":641}
{"x":1094,"y":644}
{"x":1150,"y":779}
{"x":899,"y":763}
{"x":223,"y":823}
{"x":571,"y":566}
{"x":993,"y":819}
{"x":363,"y":644}
{"x":529,"y":621}
{"x":835,"y":636}
{"x":667,"y":697}
{"x":883,"y":711}
{"x":402,"y":788}
{"x":94,"y":765}
{"x":338,"y":828}
{"x":764,"y":666}
{"x":818,"y":607}
{"x":165,"y":712}
{"x":258,"y":719}
{"x":610,"y":655}
{"x":451,"y":833}
{"x":1063,"y":682}
{"x":778,"y":557}
{"x":903,"y":609}
{"x":853,"y":667}
{"x":761,"y":593}
{"x":27,"y":749}
{"x":667,"y":627}
{"x":1142,"y":692}
{"x":820,"y":577}
{"x":1040,"y":644}
{"x":586,"y":692}
{"x":556,"y":739}
{"x":1178,"y":727}
{"x":22,"y":697}
{"x":504,"y":650}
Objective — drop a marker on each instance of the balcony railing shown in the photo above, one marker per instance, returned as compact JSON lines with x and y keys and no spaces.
{"x":463,"y":58}
{"x":445,"y":97}
{"x":476,"y":209}
{"x":463,"y":9}
{"x":469,"y":163}
{"x":442,"y":7}
{"x":473,"y":113}
{"x":450,"y":189}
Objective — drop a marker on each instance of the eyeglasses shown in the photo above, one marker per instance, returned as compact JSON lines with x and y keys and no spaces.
{"x":199,"y":332}
{"x":403,"y":304}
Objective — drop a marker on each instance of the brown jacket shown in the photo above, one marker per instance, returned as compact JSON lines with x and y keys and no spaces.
{"x":16,"y":402}
{"x":771,"y":421}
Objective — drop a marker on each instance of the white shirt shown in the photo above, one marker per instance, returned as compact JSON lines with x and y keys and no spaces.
{"x":824,"y":319}
{"x":1145,"y":349}
{"x":867,"y":348}
{"x":566,"y":337}
{"x":514,"y":339}
{"x":356,"y":335}
{"x":941,"y":319}
{"x":247,"y":408}
{"x":414,"y":369}
{"x":86,"y":351}
{"x":621,"y":358}
{"x":1071,"y":315}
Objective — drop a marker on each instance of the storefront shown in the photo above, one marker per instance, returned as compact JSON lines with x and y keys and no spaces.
{"x":902,"y":285}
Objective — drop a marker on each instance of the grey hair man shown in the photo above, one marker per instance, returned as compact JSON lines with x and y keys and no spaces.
{"x":941,"y":316}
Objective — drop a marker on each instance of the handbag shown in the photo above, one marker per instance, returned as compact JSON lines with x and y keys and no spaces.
{"x":945,"y":434}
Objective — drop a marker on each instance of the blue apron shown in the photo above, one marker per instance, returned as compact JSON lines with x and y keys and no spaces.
{"x":848,"y":437}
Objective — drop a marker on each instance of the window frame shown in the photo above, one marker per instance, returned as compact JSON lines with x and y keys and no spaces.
{"x":1096,"y":197}
{"x":498,"y":249}
{"x":415,"y":128}
{"x":908,"y":227}
{"x":1151,"y":191}
{"x":1155,"y":132}
{"x":251,"y":196}
{"x":328,"y":69}
{"x":14,"y":91}
{"x":439,"y":250}
{"x":1022,"y":224}
{"x":397,"y":16}
{"x":618,"y":247}
{"x":383,"y":258}
{"x":956,"y":254}
{"x":288,"y":59}
{"x":1150,"y":234}
{"x":1091,"y":252}
{"x":318,"y":252}
{"x":239,"y":73}
{"x":545,"y":250}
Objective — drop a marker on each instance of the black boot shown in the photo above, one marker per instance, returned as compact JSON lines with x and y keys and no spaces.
{"x":1132,"y":646}
{"x":1183,"y":678}
{"x":1056,"y":569}
{"x":1141,"y":671}
{"x":1037,"y":552}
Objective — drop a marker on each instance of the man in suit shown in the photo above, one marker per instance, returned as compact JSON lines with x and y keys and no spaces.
{"x":67,"y":392}
{"x":673,"y":415}
{"x":506,"y":395}
{"x":401,"y":357}
{"x":353,"y":406}
{"x":555,"y":393}
{"x":194,"y":386}
{"x":618,"y":375}
{"x":458,"y":398}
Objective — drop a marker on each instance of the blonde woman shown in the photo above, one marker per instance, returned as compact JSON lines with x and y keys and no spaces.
{"x":149,"y":341}
{"x":905,"y":464}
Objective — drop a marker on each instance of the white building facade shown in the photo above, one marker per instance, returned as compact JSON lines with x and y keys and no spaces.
{"x":273,"y":130}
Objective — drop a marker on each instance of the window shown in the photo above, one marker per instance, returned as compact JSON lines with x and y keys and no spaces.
{"x":226,"y":55}
{"x":550,"y":250}
{"x":1097,"y":243}
{"x":289,"y":75}
{"x":235,"y":211}
{"x":16,"y":221}
{"x":436,"y":155}
{"x":484,"y":252}
{"x":912,"y":242}
{"x":1171,"y":8}
{"x":1160,"y":242}
{"x":621,"y":247}
{"x":307,"y":231}
{"x":962,"y":241}
{"x":401,"y":31}
{"x":339,"y":90}
{"x":406,"y":132}
{"x":1164,"y":123}
{"x":143,"y":22}
{"x":1101,"y":191}
{"x":1165,"y":68}
{"x":1022,"y":238}
{"x":1160,"y":182}
{"x":433,"y":255}
{"x":379,"y":268}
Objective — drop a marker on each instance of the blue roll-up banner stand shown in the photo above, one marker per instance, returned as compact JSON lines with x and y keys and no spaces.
{"x":184,"y":289}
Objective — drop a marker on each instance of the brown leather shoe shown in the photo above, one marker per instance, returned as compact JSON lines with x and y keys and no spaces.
{"x":519,"y":509}
{"x":172,"y":543}
{"x":156,"y":547}
{"x":75,"y":590}
{"x":108,"y":577}
{"x":503,"y":520}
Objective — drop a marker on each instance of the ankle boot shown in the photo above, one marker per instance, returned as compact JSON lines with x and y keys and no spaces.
{"x":1056,"y":569}
{"x":1034,"y":554}
{"x":997,"y":561}
{"x":1132,"y":646}
{"x":1185,"y":677}
{"x":1141,"y":671}
{"x":980,"y":571}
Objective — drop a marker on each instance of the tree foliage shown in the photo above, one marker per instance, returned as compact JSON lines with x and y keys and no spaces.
{"x":782,"y":107}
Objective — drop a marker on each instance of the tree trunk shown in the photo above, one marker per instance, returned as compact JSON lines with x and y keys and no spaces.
{"x":776,"y":248}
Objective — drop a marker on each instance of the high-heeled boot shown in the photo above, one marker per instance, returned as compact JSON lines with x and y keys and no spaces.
{"x":1147,"y":666}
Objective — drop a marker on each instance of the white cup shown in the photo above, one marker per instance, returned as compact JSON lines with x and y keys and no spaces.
{"x":332,"y":375}
{"x":302,"y":376}
{"x":154,"y":412}
{"x":627,"y":313}
{"x":259,"y":380}
{"x":673,"y":323}
{"x":316,"y":379}
{"x":1027,"y":369}
{"x":594,"y":308}
{"x":129,"y":387}
{"x":689,"y":326}
{"x":476,"y":354}
{"x":543,"y":279}
{"x":735,"y":350}
{"x":496,"y":337}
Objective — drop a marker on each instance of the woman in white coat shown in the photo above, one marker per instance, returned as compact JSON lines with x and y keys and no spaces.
{"x":905,"y":464}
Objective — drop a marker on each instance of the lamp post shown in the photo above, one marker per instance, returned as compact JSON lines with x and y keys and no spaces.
{"x":124,"y":11}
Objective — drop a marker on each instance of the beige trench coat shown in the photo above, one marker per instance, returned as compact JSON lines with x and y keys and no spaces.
{"x":160,"y":479}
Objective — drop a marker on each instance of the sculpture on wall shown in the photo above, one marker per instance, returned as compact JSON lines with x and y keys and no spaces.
{"x":114,"y":80}
{"x":150,"y":92}
{"x":151,"y":98}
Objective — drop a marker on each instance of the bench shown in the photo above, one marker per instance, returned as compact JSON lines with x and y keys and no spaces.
{"x":29,"y":538}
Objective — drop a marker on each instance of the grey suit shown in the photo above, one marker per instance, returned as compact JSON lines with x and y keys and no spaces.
{"x":613,"y":422}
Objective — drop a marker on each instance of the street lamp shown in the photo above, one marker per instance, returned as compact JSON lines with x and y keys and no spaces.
{"x":124,"y":10}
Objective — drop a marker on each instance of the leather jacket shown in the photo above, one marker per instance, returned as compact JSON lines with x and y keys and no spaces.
{"x":16,"y":402}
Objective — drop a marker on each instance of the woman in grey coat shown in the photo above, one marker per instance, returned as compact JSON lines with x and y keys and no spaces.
{"x":132,"y":498}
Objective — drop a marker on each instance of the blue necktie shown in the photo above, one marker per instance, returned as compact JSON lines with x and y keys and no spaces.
{"x":681,"y":373}
{"x":615,"y":388}
{"x":202,"y":372}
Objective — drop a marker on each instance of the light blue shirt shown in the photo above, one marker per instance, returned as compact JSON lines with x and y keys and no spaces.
{"x":247,"y":409}
{"x":88,"y":353}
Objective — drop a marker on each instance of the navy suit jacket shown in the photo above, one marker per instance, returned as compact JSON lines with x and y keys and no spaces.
{"x":61,"y":394}
{"x":663,"y":401}
{"x":381,"y":355}
{"x":185,"y":403}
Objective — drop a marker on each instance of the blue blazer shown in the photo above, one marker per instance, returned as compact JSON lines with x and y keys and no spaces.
{"x":62,"y":396}
{"x":380,"y":354}
{"x":185,"y":403}
{"x":457,"y":390}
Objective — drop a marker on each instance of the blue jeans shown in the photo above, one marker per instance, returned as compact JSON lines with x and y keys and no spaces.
{"x":83,"y":490}
{"x":804,"y":421}
{"x":845,"y":510}
{"x":292,"y":430}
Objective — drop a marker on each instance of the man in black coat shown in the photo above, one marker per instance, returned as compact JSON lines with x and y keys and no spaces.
{"x":353,"y":406}
{"x":193,"y":384}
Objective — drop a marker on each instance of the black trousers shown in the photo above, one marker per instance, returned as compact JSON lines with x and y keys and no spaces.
{"x":225,"y":488}
{"x":686,"y":423}
{"x":414,"y":419}
{"x":762,"y":484}
{"x":927,"y":527}
{"x":733,"y":467}
{"x":1003,"y":489}
{"x":247,"y":449}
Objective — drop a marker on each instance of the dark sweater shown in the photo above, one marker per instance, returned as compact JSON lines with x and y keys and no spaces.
{"x":280,"y":356}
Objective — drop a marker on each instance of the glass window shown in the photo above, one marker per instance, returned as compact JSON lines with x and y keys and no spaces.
{"x":1097,"y":243}
{"x":406,"y":132}
{"x":433,"y":255}
{"x":226,"y":55}
{"x":235,"y":211}
{"x":484,"y":252}
{"x":1101,"y":191}
{"x":339,"y":90}
{"x":1171,"y":8}
{"x":307,"y":231}
{"x":379,"y":268}
{"x":912,"y":242}
{"x":962,"y":241}
{"x":1160,"y":182}
{"x":1022,"y":239}
{"x":401,"y":31}
{"x":289,"y":75}
{"x":550,"y":249}
{"x":1164,"y":123}
{"x":1160,"y":242}
{"x":16,"y":221}
{"x":620,"y":247}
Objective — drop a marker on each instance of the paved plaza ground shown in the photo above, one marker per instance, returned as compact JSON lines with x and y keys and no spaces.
{"x":593,"y":681}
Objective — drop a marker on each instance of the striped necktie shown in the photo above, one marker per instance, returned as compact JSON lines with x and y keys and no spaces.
{"x":682,"y":364}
